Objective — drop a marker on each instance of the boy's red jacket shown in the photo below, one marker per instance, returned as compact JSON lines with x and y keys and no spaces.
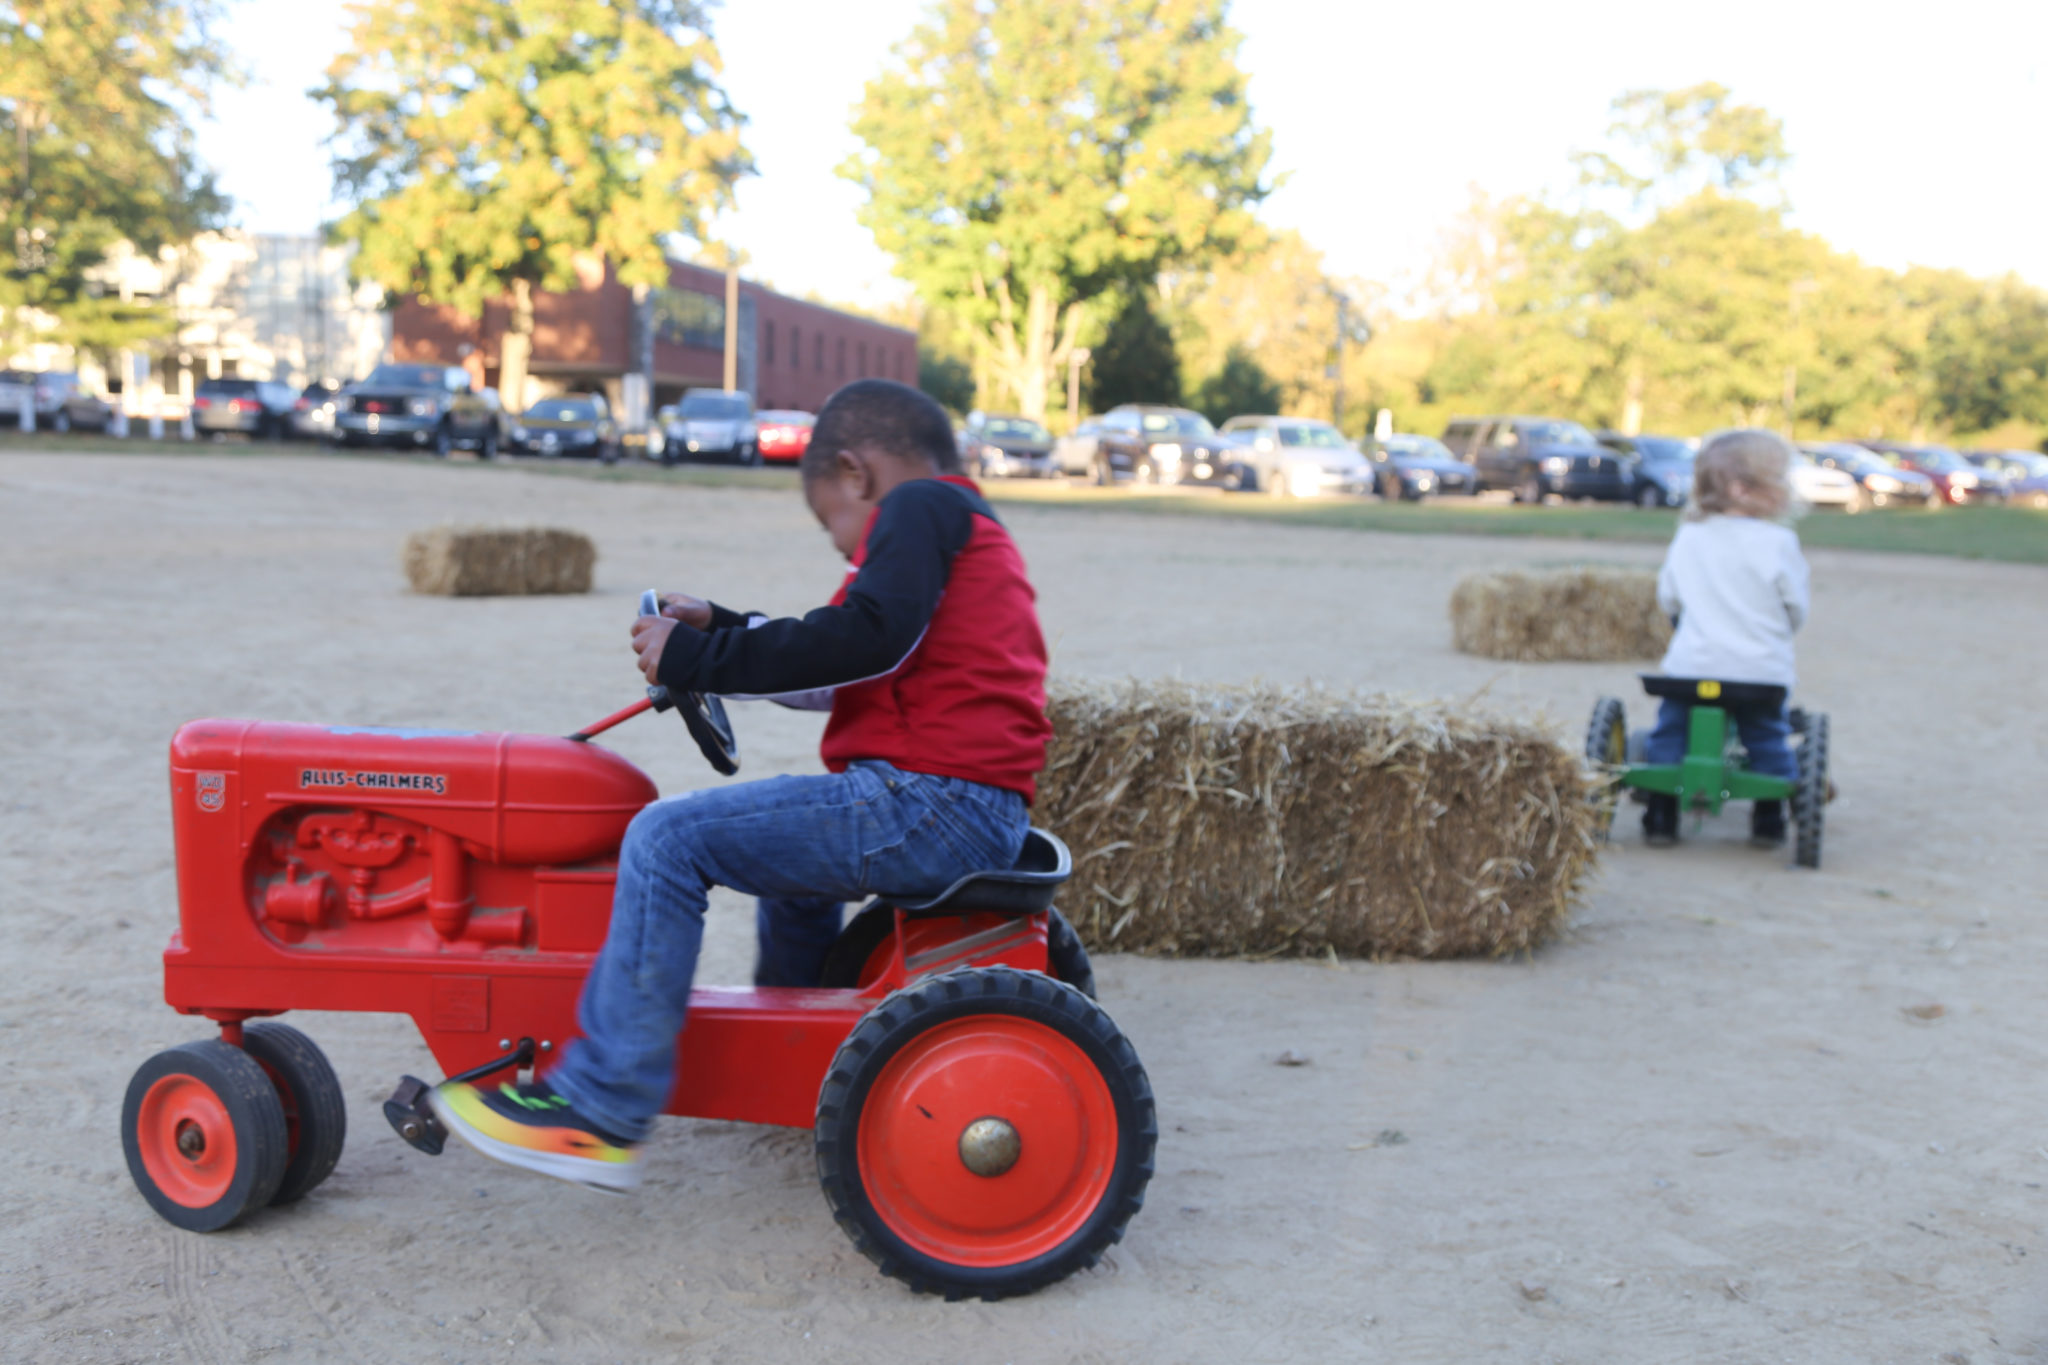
{"x":929,"y":656}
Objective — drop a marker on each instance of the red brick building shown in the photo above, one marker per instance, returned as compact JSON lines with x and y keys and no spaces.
{"x":792,"y":354}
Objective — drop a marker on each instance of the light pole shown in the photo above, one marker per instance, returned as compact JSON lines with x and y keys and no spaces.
{"x":1076,"y":358}
{"x":1337,"y":370}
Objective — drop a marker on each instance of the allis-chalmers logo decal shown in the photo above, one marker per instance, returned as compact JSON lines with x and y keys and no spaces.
{"x":213,"y":790}
{"x":366,"y":781}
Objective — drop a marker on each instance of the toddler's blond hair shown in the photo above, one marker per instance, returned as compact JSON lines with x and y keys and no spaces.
{"x":1742,"y":473}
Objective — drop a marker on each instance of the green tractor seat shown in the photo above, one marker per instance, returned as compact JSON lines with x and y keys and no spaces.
{"x":1710,"y":692}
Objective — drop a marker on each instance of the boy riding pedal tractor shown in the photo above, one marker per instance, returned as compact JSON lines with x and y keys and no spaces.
{"x":931,"y":662}
{"x":1736,"y":584}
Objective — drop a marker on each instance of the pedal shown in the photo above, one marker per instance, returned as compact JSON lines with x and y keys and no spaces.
{"x":412,"y":1119}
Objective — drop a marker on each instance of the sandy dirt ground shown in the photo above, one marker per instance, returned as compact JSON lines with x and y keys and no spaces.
{"x":1705,"y":1126}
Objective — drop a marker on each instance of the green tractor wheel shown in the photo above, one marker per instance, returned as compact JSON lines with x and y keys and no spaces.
{"x":1810,"y":796}
{"x":1607,"y":753}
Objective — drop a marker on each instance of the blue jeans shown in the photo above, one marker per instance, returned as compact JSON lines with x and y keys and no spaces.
{"x":1766,"y":734}
{"x":805,"y":845}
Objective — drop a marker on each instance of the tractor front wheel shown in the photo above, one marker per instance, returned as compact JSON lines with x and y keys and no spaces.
{"x":1810,"y":796}
{"x":315,"y":1115}
{"x":985,"y":1133}
{"x":204,"y":1134}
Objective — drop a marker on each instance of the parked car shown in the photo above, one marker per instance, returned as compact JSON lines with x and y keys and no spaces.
{"x":1411,"y":467}
{"x":783,"y":434}
{"x":426,"y":407}
{"x":577,"y":424}
{"x":1298,"y":457}
{"x":1008,"y":447}
{"x":1821,"y":487}
{"x":1540,"y":456}
{"x":1076,"y":452}
{"x":1662,"y":469}
{"x":1959,"y":481}
{"x":313,"y":411}
{"x":261,"y":408}
{"x":1149,"y":443}
{"x":711,"y":424}
{"x":2025,"y":473}
{"x":62,"y":402}
{"x":1883,"y":485}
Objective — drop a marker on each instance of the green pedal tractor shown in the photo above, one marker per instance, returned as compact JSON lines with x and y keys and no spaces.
{"x":1712,"y":772}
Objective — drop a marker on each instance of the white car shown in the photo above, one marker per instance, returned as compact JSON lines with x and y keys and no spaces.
{"x":1818,"y":487}
{"x":1299,"y":457}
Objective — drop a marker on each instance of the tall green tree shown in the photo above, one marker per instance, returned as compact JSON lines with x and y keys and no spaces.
{"x":1239,"y":385}
{"x":97,"y":99}
{"x":1670,"y":144}
{"x":491,"y":145}
{"x":1024,"y":158}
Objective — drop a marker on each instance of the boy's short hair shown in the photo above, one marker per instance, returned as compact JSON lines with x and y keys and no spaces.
{"x":886,"y":415}
{"x":1757,"y":459}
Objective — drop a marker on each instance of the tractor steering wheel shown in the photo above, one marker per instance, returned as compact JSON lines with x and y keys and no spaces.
{"x":703,"y":713}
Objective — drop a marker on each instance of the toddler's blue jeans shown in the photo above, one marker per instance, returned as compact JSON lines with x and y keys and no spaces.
{"x":1766,"y":733}
{"x":805,"y":846}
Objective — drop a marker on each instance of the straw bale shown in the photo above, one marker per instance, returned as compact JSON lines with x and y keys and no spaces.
{"x":498,"y":561}
{"x":1269,"y":821}
{"x":1589,"y":613}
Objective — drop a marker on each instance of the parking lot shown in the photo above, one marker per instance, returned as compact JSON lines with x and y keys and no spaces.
{"x":1739,"y":1113}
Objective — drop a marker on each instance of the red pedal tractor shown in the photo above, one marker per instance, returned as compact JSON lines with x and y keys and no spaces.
{"x":981,"y":1126}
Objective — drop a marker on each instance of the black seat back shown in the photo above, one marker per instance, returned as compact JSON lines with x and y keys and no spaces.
{"x":1024,"y":888}
{"x":1711,"y":692}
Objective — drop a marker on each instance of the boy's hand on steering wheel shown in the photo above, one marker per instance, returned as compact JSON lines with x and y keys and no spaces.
{"x":691,"y":611}
{"x":650,"y":637}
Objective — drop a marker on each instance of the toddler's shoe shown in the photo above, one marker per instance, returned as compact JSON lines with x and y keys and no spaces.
{"x":1767,"y":825}
{"x":530,"y":1125}
{"x":1660,"y":820}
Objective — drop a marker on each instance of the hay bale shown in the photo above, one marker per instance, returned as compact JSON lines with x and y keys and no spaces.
{"x":1589,"y":613}
{"x":498,"y":561}
{"x":1223,"y":821}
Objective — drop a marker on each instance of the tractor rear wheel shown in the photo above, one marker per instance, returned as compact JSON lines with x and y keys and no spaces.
{"x":1607,"y":752}
{"x":985,"y":1133}
{"x":1810,"y":796}
{"x":315,"y":1115}
{"x":861,"y":952}
{"x":204,"y":1134}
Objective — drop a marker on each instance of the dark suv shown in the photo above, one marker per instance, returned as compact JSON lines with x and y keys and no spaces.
{"x":1151,"y":443}
{"x":1539,"y":456}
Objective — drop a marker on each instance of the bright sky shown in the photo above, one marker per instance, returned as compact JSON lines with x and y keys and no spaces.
{"x":1916,"y":130}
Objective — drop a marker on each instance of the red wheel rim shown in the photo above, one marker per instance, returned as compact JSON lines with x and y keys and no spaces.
{"x":187,"y":1141}
{"x":987,"y":1066}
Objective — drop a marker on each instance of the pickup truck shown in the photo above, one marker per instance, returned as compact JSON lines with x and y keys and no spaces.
{"x":425,"y":407}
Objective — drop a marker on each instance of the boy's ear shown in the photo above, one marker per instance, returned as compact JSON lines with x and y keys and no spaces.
{"x":852,"y":467}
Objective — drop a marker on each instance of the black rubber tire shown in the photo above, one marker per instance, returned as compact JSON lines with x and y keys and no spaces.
{"x":487,"y":445}
{"x":1649,"y":497}
{"x":61,"y":422}
{"x":253,"y":1112}
{"x":1104,"y":474}
{"x":1810,"y":796}
{"x":750,"y":455}
{"x":444,"y":442}
{"x":1529,"y":490}
{"x":1066,"y":959}
{"x":1606,"y":751}
{"x":899,"y":1019}
{"x":315,"y":1114}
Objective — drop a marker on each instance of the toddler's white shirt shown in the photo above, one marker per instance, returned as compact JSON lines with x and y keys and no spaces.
{"x":1739,"y":588}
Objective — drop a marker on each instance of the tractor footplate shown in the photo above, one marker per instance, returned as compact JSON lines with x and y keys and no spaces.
{"x":412,"y":1120}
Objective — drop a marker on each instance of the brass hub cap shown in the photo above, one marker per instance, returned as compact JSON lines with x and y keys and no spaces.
{"x":989,"y":1147}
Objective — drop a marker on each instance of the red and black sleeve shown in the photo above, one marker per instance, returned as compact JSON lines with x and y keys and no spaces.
{"x":918,"y":529}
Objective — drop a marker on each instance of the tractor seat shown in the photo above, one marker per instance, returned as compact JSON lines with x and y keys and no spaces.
{"x":1710,"y":692}
{"x":1024,"y":888}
